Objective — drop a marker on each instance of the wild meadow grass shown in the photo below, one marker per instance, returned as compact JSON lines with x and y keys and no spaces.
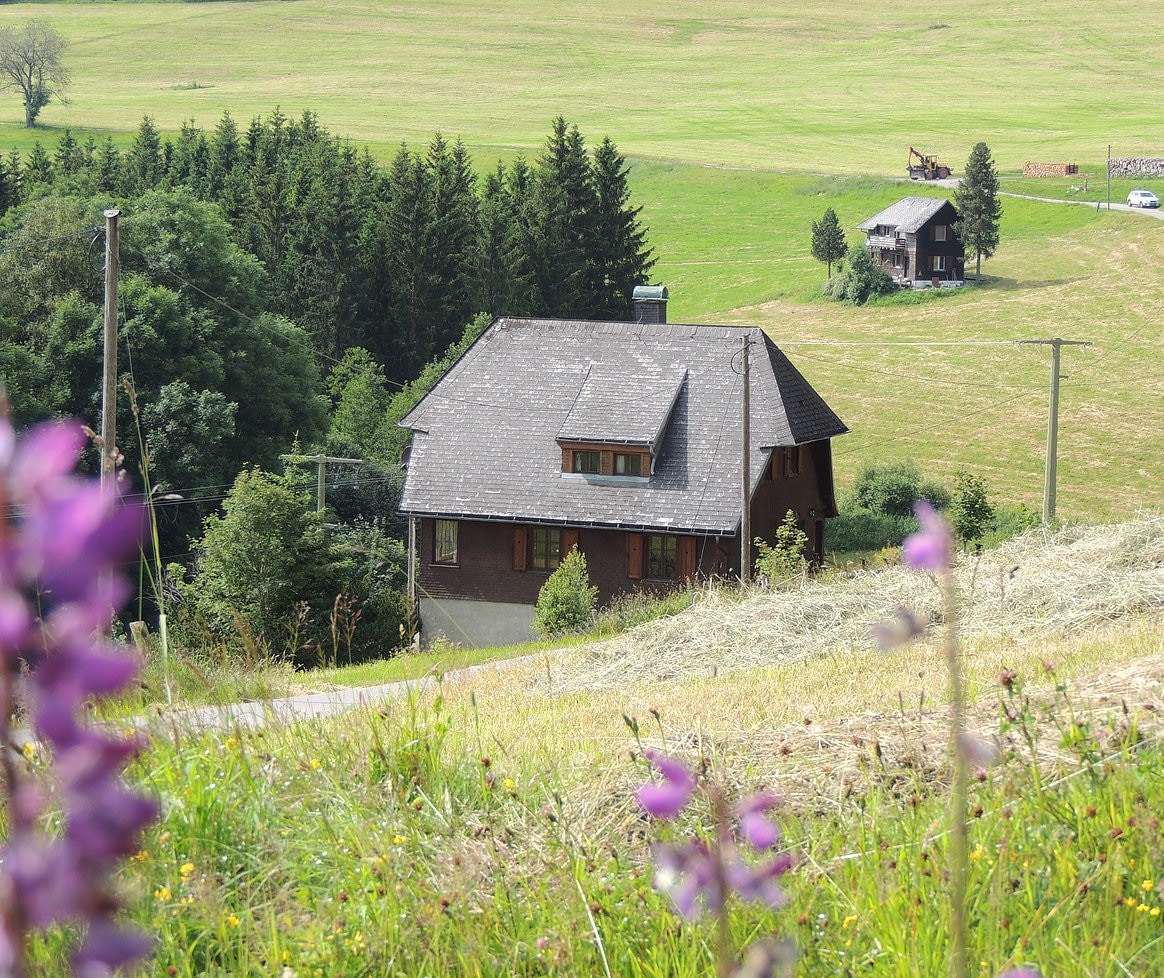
{"x":445,"y":835}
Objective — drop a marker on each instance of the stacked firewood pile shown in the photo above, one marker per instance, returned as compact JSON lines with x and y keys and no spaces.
{"x":1137,"y":166}
{"x":1050,"y":169}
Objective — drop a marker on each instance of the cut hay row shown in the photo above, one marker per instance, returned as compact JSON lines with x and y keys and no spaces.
{"x":1067,"y":581}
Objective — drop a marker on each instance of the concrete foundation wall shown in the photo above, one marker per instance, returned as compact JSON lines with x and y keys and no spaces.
{"x":475,"y":624}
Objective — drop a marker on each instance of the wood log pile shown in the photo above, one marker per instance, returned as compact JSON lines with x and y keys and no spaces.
{"x":1050,"y":169}
{"x":1137,"y":166}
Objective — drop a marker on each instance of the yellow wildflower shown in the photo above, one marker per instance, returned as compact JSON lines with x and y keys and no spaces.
{"x":186,"y":869}
{"x":977,"y":853}
{"x":1130,"y":901}
{"x":398,"y":840}
{"x":1155,"y":912}
{"x":849,"y":920}
{"x":162,"y":894}
{"x":230,"y":743}
{"x":232,"y":920}
{"x":509,"y":783}
{"x":315,"y":765}
{"x":1147,"y":885}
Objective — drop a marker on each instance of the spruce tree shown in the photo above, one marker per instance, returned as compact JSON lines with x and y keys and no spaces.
{"x":828,"y":240}
{"x":619,"y":256}
{"x":979,"y":208}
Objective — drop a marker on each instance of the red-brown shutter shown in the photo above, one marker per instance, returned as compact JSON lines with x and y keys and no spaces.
{"x":606,"y":462}
{"x":569,"y":540}
{"x":686,"y":558}
{"x":634,"y":556}
{"x":567,"y":460}
{"x":520,"y":548}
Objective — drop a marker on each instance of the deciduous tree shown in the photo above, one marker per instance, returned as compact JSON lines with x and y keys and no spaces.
{"x":31,"y":63}
{"x":979,"y":208}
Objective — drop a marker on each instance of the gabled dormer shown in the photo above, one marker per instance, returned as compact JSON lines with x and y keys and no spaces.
{"x":618,"y":420}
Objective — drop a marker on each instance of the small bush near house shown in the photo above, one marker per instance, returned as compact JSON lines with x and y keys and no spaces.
{"x":785,"y":559}
{"x":567,"y":599}
{"x":859,"y":279}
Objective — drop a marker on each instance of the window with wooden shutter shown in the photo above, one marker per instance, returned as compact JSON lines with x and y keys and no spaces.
{"x":686,"y":558}
{"x":634,"y":556}
{"x":520,"y":548}
{"x":569,"y":541}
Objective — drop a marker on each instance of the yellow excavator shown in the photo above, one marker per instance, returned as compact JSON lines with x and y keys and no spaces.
{"x":926,"y":168}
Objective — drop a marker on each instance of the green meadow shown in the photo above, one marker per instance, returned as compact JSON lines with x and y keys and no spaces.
{"x":742,"y":125}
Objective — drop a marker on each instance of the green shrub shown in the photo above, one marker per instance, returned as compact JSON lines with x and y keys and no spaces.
{"x":892,"y":488}
{"x":859,"y":279}
{"x":785,"y":558}
{"x":566,"y":601}
{"x":970,"y":510}
{"x":856,"y":529}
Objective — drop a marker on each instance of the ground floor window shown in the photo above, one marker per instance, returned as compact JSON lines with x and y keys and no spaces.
{"x":547,"y":548}
{"x":663,"y":557}
{"x":445,"y":542}
{"x":939,"y":263}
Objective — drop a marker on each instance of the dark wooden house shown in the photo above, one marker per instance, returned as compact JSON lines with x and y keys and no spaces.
{"x":623,"y":439}
{"x":914,"y":241}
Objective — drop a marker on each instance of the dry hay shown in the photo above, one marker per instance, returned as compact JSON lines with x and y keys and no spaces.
{"x":1064,"y":581}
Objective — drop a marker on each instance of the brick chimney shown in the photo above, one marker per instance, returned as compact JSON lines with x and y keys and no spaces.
{"x":650,"y":303}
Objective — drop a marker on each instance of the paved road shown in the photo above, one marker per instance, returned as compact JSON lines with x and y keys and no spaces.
{"x":1156,"y":212}
{"x":287,"y":709}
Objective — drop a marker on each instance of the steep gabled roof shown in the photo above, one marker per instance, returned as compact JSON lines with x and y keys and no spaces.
{"x":485,"y":443}
{"x":909,"y":215}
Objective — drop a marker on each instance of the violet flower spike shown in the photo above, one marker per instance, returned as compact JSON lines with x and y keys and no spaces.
{"x":755,"y":828}
{"x":932,"y":547}
{"x":667,"y":798}
{"x":59,"y":553}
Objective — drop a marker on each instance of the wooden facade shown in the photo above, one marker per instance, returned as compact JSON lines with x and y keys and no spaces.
{"x":498,"y":561}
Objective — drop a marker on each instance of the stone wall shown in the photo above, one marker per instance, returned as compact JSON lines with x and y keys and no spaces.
{"x":1137,"y":166}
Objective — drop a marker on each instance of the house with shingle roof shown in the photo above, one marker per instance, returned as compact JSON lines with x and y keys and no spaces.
{"x":623,"y":439}
{"x":914,"y":241}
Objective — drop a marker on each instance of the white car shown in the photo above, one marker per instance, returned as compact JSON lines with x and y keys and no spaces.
{"x":1143,"y":198}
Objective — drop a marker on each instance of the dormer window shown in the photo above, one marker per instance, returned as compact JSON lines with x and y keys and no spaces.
{"x":586,"y":461}
{"x":627,"y":463}
{"x":616,"y":461}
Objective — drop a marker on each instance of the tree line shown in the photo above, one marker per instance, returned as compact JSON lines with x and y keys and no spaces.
{"x":393,"y":259}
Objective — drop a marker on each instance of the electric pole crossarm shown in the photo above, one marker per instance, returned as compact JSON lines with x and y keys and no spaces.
{"x":320,"y":462}
{"x":1049,"y":477}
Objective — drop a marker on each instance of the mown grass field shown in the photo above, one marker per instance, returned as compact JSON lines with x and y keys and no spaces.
{"x":742,"y":125}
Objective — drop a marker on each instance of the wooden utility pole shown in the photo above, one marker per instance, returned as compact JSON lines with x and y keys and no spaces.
{"x":320,"y":462}
{"x":746,"y":479}
{"x":1053,"y":421}
{"x":109,"y":359}
{"x":1109,"y":176}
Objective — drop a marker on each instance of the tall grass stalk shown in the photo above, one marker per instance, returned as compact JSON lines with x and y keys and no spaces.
{"x":152,"y":563}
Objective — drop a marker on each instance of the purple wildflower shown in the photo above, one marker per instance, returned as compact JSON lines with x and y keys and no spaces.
{"x":666,"y":799}
{"x":932,"y":547}
{"x":755,"y":828}
{"x":688,"y":875}
{"x":59,"y":549}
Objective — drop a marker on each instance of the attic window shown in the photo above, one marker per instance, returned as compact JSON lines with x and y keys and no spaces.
{"x":626,"y":463}
{"x":786,"y":462}
{"x":939,"y":232}
{"x":586,"y":461}
{"x":621,"y":461}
